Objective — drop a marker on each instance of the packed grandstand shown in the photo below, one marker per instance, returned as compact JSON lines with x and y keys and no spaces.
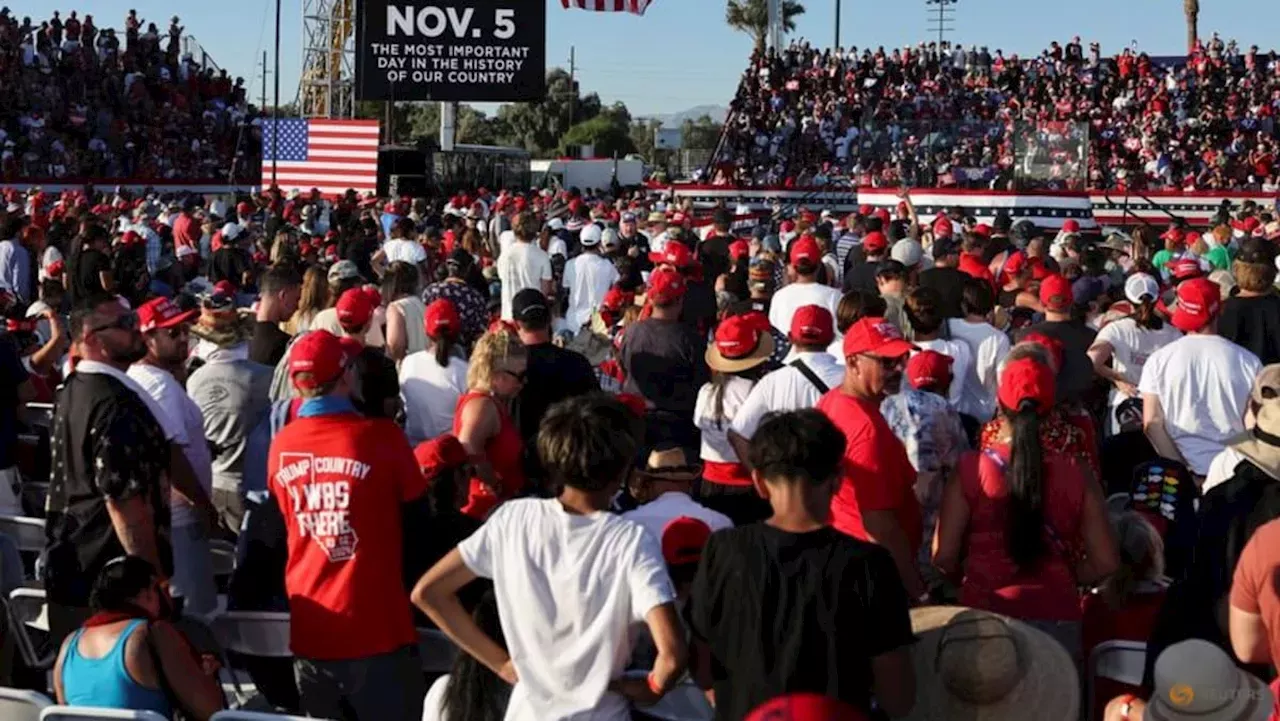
{"x":619,"y":454}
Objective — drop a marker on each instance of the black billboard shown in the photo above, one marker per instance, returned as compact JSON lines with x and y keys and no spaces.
{"x":453,"y":50}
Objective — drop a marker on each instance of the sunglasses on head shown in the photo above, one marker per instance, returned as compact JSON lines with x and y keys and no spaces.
{"x":127,"y":321}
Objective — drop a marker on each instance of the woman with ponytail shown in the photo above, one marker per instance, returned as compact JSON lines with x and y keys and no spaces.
{"x":1030,"y":524}
{"x":1122,"y":347}
{"x":432,"y":380}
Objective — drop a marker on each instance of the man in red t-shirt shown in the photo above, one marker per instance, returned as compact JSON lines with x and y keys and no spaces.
{"x":876,"y":501}
{"x":340,"y":479}
{"x":186,"y":230}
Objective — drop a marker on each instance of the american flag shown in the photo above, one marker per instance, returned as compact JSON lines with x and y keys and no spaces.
{"x":635,"y":7}
{"x":331,"y":155}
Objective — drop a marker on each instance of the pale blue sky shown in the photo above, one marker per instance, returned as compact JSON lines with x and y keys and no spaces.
{"x":681,"y":54}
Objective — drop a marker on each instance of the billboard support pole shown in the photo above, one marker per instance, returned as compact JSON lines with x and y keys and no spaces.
{"x":448,"y":125}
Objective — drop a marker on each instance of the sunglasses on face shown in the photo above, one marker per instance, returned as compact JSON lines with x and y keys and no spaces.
{"x":126,"y":322}
{"x":887,"y":364}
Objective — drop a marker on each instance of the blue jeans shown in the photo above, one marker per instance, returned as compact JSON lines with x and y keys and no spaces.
{"x":193,"y":571}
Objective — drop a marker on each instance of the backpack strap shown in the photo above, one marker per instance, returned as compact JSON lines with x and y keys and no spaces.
{"x":807,"y":372}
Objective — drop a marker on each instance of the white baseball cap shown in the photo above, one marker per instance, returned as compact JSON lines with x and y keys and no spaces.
{"x":1139,"y":285}
{"x":591,"y":235}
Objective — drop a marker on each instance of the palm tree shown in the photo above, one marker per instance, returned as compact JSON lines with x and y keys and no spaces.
{"x":1191,"y":8}
{"x":752,"y":17}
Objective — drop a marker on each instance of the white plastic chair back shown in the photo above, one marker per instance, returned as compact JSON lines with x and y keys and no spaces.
{"x":28,"y":533}
{"x":21,"y":705}
{"x":86,"y":713}
{"x":254,"y":633}
{"x":255,"y":716}
{"x":26,"y":609}
{"x":437,"y":651}
{"x":1119,"y":661}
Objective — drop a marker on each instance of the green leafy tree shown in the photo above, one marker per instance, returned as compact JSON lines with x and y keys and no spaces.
{"x":700,"y":134}
{"x":752,"y":17}
{"x":608,"y":137}
{"x":642,"y":132}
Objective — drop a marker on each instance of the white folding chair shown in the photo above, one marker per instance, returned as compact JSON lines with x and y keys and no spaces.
{"x":28,"y":533}
{"x":254,"y":633}
{"x":87,"y":713}
{"x":255,"y":716}
{"x":1120,"y":661}
{"x":40,"y":414}
{"x":224,"y":557}
{"x":27,"y":609}
{"x":437,"y":651}
{"x":21,"y":705}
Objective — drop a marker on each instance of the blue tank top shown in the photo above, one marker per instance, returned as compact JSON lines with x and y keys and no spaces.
{"x":105,"y":682}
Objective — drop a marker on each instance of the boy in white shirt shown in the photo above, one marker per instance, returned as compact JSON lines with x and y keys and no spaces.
{"x":571,"y":579}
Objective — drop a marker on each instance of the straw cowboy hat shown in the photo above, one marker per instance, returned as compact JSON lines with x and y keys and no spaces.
{"x":221,"y":323}
{"x":1196,"y":681}
{"x":671,"y":464}
{"x":972,"y":665}
{"x":1261,"y":444}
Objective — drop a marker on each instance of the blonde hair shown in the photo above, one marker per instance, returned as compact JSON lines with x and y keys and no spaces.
{"x":1141,"y":557}
{"x":493,"y":352}
{"x":1253,"y":277}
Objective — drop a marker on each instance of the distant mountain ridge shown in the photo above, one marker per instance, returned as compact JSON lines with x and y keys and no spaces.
{"x":674,"y":120}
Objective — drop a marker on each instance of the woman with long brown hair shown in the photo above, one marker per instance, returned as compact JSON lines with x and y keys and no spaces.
{"x":314,"y":298}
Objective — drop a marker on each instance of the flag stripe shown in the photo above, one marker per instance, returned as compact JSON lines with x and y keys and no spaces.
{"x":635,"y":7}
{"x":331,"y":155}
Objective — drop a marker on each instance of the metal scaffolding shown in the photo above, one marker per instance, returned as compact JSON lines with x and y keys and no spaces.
{"x":327,"y":87}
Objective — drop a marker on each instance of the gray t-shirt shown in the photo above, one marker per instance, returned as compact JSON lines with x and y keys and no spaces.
{"x":233,"y":398}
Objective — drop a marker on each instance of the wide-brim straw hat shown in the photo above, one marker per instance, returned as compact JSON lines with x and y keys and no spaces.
{"x":672,"y":464}
{"x":717,"y":361}
{"x":972,"y":665}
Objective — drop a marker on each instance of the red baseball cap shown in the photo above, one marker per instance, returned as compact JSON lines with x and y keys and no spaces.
{"x":812,"y":325}
{"x":875,"y":242}
{"x":441,"y":319}
{"x":1198,"y":302}
{"x":1026,"y":379}
{"x":323,"y":355}
{"x":804,"y":706}
{"x":130,"y":237}
{"x":739,"y":249}
{"x":929,"y":368}
{"x":355,"y":309}
{"x":160,"y":313}
{"x":683,"y":539}
{"x":866,"y":209}
{"x":982,"y":230}
{"x":876,"y":336}
{"x":1070,"y":225}
{"x":674,"y":253}
{"x":942,"y":226}
{"x":440,"y":454}
{"x":665,"y":286}
{"x":883,"y":215}
{"x":1055,"y":293}
{"x":740,"y":343}
{"x":805,"y":250}
{"x":243,"y":208}
{"x":1185,"y":269}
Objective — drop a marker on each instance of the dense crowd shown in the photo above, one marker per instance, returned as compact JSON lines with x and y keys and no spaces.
{"x":633,"y":462}
{"x":947,"y":115}
{"x":87,"y":102}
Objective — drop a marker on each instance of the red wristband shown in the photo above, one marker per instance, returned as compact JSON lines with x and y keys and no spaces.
{"x":654,"y":686}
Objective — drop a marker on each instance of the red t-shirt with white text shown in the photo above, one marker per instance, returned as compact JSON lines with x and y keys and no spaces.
{"x":340,"y":480}
{"x":877,"y":474}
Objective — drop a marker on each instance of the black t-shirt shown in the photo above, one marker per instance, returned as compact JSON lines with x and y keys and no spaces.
{"x":949,"y":283}
{"x":861,"y":276}
{"x":713,"y":253}
{"x":228,"y":264}
{"x":86,"y":280}
{"x":379,"y":382}
{"x":106,"y":444}
{"x":785,"y":612}
{"x":700,"y":307}
{"x":664,"y":362}
{"x":1253,"y":324}
{"x":1076,"y":376}
{"x":268,"y":344}
{"x":554,"y":374}
{"x":14,"y":374}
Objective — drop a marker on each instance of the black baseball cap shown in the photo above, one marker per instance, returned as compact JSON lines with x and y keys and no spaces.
{"x":530,"y":306}
{"x":944,"y":246}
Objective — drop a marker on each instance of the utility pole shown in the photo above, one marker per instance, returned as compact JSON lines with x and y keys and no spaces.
{"x":943,"y":17}
{"x":265,"y":73}
{"x":838,"y":4}
{"x":275,"y":112}
{"x":573,"y":94}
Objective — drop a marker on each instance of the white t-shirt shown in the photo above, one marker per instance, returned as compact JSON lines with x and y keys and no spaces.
{"x":988,"y":346}
{"x":181,"y":419}
{"x":961,"y":365}
{"x":1131,"y":346}
{"x":524,"y":265}
{"x":430,"y":394}
{"x":656,"y":514}
{"x":715,"y":434}
{"x":793,"y":297}
{"x":1222,"y":469}
{"x":505,"y":239}
{"x":401,"y":250}
{"x":1203,"y":384}
{"x":786,"y":389}
{"x":570,"y":588}
{"x":588,"y":278}
{"x":327,"y":319}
